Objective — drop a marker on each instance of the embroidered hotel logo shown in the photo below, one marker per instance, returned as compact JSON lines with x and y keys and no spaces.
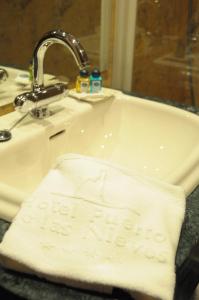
{"x":90,"y":216}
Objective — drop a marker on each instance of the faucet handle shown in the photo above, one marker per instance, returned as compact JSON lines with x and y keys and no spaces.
{"x":23,"y":102}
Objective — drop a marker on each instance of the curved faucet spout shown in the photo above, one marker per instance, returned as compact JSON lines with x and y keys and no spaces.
{"x":37,"y":100}
{"x":56,"y":37}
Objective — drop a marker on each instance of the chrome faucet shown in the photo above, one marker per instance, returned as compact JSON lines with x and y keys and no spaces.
{"x":36,"y":101}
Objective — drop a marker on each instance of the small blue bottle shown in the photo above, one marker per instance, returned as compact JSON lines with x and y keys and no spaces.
{"x":95,"y":81}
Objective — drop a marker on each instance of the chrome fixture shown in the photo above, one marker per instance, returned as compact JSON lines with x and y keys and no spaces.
{"x":36,"y":101}
{"x":3,"y":75}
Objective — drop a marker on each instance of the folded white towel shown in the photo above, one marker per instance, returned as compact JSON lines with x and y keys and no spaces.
{"x":92,"y":223}
{"x":105,"y":94}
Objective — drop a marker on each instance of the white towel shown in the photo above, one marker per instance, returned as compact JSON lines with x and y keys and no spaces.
{"x":92,"y":223}
{"x":104,"y":94}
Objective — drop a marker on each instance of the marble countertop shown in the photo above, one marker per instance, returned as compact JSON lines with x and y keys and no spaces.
{"x":33,"y":288}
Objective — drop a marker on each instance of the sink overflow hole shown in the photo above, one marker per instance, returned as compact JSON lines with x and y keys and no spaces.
{"x":56,"y":134}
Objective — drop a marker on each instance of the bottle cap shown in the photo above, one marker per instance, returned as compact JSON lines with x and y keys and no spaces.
{"x":84,"y":73}
{"x":96,"y":73}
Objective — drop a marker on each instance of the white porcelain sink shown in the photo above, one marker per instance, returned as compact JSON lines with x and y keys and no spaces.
{"x":150,"y":138}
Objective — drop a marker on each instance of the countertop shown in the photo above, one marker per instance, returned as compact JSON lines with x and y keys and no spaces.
{"x":33,"y":288}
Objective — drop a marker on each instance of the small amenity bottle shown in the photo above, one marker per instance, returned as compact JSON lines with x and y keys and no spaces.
{"x":83,"y":82}
{"x":95,"y":81}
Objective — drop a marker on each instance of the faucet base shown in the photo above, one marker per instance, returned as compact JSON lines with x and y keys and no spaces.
{"x":40,"y":112}
{"x":40,"y":97}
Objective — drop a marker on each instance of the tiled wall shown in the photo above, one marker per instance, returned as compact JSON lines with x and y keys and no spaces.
{"x":23,"y":22}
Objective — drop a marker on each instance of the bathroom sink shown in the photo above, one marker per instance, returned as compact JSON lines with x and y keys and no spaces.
{"x":147,"y":137}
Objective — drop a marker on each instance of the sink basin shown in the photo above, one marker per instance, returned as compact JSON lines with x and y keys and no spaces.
{"x":148,"y":137}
